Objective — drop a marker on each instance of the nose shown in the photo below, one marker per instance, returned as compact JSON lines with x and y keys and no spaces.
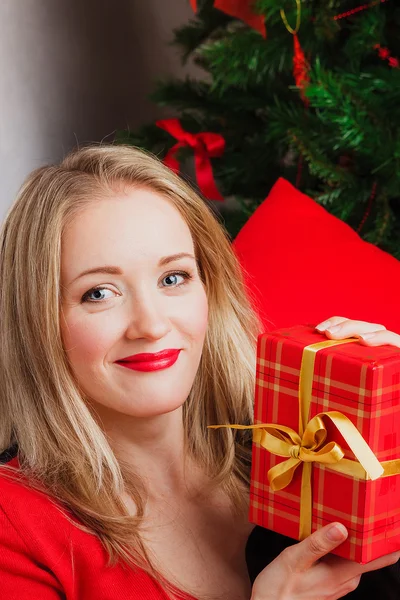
{"x":148,"y":319}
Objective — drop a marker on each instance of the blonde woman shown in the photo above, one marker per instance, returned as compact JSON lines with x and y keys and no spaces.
{"x":125,"y":331}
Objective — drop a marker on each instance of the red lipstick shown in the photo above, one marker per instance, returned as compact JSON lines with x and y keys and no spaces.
{"x":150,"y":361}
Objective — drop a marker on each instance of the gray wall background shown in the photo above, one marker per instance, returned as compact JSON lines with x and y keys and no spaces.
{"x":74,"y":71}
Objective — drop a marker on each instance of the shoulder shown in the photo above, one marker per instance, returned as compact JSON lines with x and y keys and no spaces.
{"x":34,"y":539}
{"x":43,"y":554}
{"x":30,"y":513}
{"x":15,"y":488}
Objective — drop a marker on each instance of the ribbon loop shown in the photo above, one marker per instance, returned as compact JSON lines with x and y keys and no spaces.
{"x":282,"y":474}
{"x":205,"y":145}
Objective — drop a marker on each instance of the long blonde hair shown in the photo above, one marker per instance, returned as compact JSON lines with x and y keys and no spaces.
{"x":61,"y":447}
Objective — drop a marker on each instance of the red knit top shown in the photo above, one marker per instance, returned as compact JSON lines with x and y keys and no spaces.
{"x":43,"y":556}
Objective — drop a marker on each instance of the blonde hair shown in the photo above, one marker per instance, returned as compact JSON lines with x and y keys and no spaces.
{"x":61,"y":447}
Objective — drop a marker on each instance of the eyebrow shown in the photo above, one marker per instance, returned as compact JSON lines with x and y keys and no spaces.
{"x":111,"y":270}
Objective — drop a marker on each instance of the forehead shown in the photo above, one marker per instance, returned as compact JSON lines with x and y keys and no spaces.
{"x":136,"y":224}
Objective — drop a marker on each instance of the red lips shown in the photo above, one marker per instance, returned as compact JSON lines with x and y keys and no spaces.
{"x":150,"y":361}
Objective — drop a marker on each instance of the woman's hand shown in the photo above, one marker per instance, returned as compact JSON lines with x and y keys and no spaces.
{"x":370,"y":334}
{"x":302,"y":573}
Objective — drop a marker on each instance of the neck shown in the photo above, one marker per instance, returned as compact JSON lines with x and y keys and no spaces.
{"x":154,"y":448}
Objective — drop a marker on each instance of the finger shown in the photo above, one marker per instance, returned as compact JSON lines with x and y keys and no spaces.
{"x":330,"y":323}
{"x":352,"y":328}
{"x":343,"y":570}
{"x":379,"y":563}
{"x":380,"y":338}
{"x":303,"y":555}
{"x":346,"y":588}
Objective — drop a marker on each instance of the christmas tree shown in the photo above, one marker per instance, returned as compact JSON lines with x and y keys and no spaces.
{"x":307,"y":90}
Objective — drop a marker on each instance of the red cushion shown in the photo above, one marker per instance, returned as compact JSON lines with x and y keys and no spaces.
{"x":303,"y":265}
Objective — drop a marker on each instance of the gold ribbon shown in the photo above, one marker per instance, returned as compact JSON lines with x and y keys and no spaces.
{"x":308,"y":445}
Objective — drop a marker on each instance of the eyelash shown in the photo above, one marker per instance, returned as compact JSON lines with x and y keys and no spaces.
{"x":186,"y":278}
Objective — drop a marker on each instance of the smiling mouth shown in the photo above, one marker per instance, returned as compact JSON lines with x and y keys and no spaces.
{"x":150,"y":362}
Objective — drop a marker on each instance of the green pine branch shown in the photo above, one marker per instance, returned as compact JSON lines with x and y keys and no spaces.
{"x":195,"y":33}
{"x":244,"y":60}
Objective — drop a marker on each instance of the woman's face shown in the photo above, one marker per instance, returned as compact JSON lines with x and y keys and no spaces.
{"x":130,"y":286}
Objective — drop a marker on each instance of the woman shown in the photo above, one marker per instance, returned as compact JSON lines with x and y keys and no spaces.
{"x":124,"y":322}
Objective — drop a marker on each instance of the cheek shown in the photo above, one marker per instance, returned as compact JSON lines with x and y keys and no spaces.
{"x":85,"y":341}
{"x":194,"y":317}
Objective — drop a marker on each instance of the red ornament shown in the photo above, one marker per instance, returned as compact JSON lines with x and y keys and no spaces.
{"x":240,"y":9}
{"x":300,"y":68}
{"x":384,"y":54}
{"x":205,"y":146}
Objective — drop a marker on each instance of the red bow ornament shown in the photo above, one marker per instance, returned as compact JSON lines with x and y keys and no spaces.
{"x":205,"y":146}
{"x":301,"y":69}
{"x":240,"y":9}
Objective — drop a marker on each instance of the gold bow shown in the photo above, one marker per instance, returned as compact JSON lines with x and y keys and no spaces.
{"x":308,"y":445}
{"x":309,"y":448}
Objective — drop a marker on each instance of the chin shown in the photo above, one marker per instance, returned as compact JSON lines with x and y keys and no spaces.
{"x":151,"y":412}
{"x":141,"y":409}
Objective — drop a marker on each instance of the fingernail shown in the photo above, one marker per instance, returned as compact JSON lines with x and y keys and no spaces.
{"x":333,"y":329}
{"x":336,"y":533}
{"x":367,"y":336}
{"x":322,"y":326}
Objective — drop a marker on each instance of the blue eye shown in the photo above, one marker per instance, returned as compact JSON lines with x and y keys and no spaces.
{"x":172,"y":279}
{"x":95,"y":295}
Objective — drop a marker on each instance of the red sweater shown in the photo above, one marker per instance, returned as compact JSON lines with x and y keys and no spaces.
{"x":45,"y":557}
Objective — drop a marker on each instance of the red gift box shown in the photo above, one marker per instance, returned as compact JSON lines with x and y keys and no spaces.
{"x":360,"y":383}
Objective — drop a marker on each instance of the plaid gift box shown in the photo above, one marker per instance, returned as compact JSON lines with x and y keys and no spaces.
{"x":349,"y":379}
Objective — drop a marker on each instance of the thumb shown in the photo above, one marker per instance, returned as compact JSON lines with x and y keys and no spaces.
{"x":317,"y":545}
